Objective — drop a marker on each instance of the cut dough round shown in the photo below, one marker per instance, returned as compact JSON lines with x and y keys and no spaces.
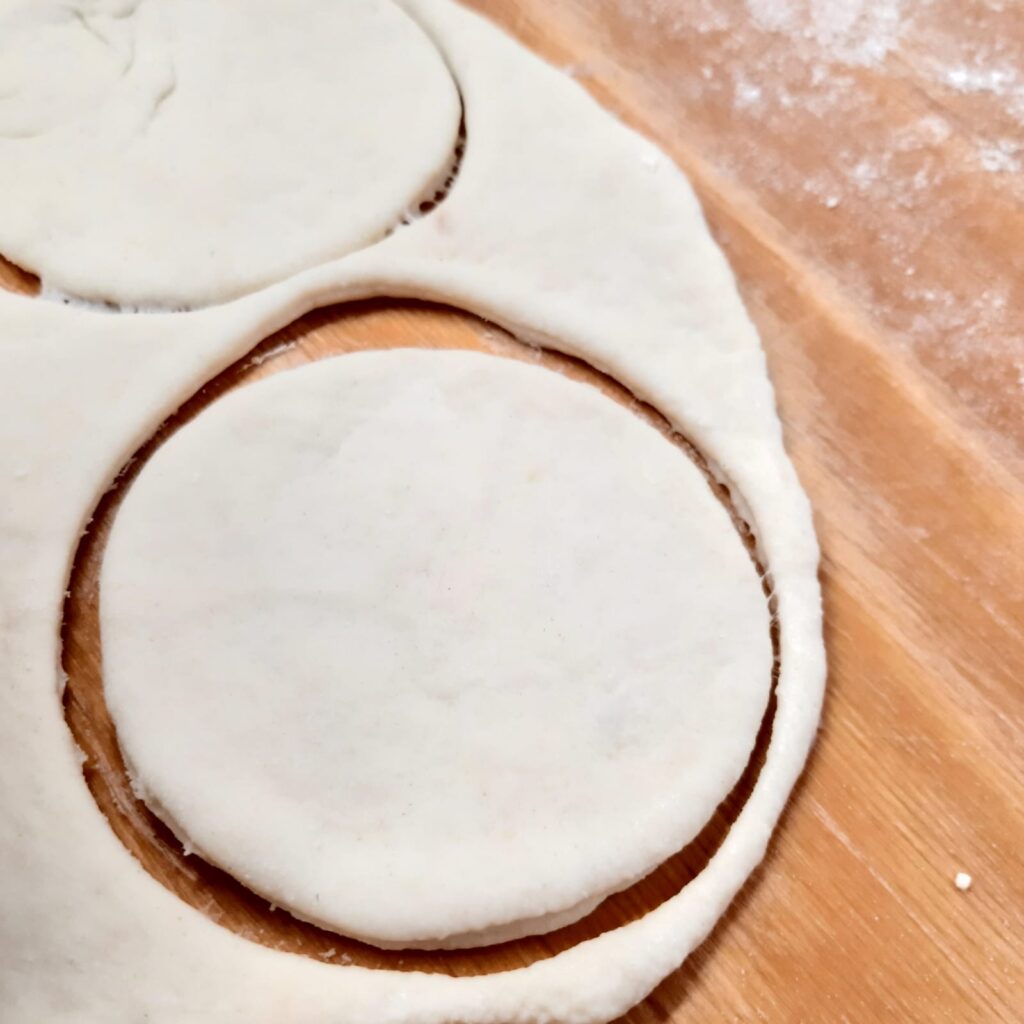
{"x":183,"y":153}
{"x":430,"y":647}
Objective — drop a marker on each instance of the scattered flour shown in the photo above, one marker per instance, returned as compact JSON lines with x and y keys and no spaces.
{"x":1001,"y":157}
{"x":997,"y":81}
{"x":897,"y":112}
{"x":748,"y":94}
{"x":854,"y":32}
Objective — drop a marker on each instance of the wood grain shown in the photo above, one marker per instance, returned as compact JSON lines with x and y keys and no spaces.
{"x":866,"y":195}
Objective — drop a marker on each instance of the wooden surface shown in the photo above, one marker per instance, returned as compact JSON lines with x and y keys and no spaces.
{"x":864,"y":175}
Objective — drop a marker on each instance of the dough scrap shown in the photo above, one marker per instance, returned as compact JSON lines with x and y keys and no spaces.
{"x":178,"y":153}
{"x":409,"y":641}
{"x":642,"y":292}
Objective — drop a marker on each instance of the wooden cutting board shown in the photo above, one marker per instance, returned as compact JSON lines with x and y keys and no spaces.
{"x":862,"y":164}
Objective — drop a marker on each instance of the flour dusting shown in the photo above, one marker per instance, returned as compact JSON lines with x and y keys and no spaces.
{"x":1001,"y":157}
{"x":998,"y":81}
{"x":856,"y":32}
{"x":887,"y":136}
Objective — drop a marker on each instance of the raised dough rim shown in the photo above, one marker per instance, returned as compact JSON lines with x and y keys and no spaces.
{"x":731,"y":853}
{"x":725,"y":872}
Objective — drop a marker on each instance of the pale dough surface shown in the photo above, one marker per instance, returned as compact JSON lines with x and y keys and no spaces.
{"x":640,"y":290}
{"x":176,"y":153}
{"x":447,"y":622}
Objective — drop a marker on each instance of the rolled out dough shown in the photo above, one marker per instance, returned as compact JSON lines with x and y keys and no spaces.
{"x":411,"y":641}
{"x":568,"y":229}
{"x":176,"y":153}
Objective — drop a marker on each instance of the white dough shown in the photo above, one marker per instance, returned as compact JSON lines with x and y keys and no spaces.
{"x":178,"y":153}
{"x":410,"y":642}
{"x":560,"y":229}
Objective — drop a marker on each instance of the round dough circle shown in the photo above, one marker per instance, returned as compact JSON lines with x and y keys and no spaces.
{"x":430,"y":647}
{"x":177,"y":153}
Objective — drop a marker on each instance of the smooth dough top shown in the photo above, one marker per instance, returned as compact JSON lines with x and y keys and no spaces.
{"x":177,"y":153}
{"x":418,"y":644}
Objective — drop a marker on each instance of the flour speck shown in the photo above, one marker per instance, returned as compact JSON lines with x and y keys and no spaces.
{"x":1001,"y":157}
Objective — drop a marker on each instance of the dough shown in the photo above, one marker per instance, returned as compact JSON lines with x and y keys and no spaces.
{"x":410,"y":642}
{"x":181,"y":152}
{"x":612,"y":263}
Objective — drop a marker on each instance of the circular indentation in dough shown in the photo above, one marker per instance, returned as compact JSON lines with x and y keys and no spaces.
{"x":183,"y":153}
{"x":421,"y":645}
{"x":355,"y":326}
